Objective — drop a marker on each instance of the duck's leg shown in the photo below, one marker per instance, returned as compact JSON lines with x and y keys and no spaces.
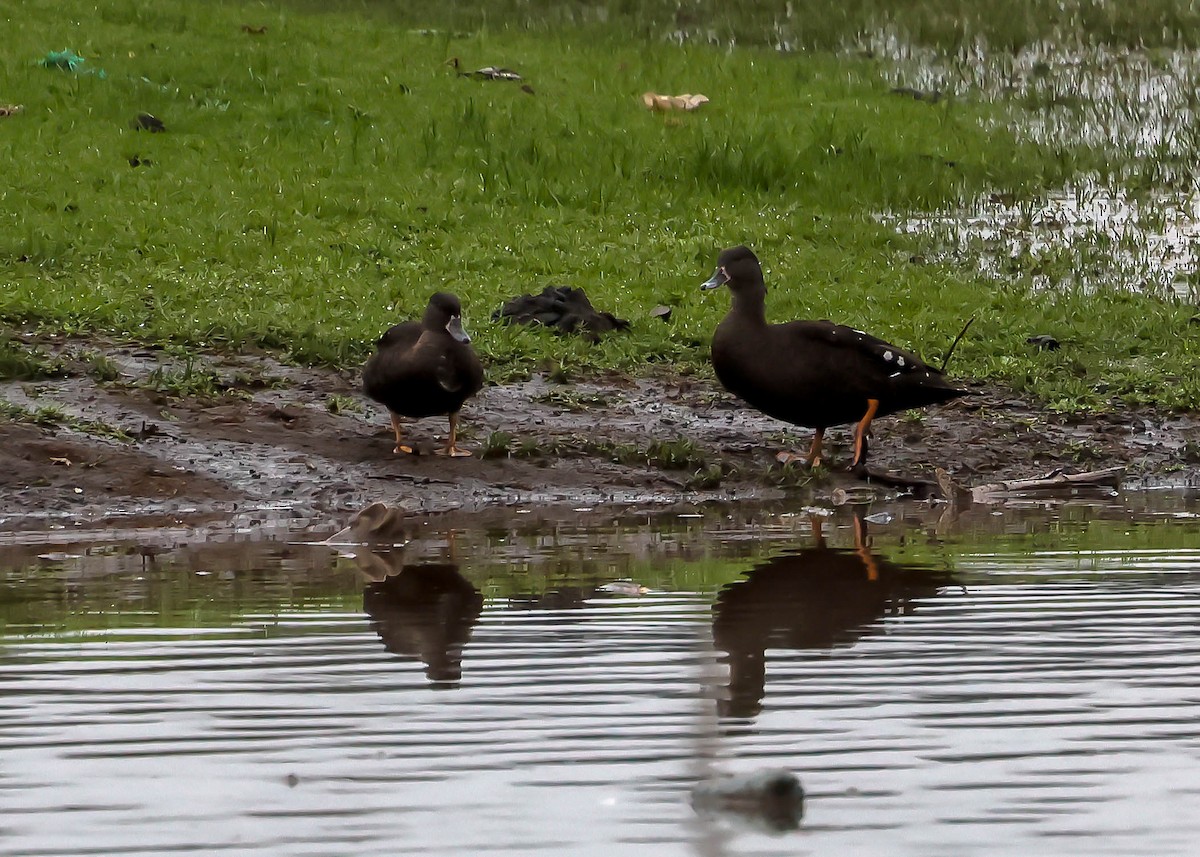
{"x":400,"y":447}
{"x":818,"y":533}
{"x":451,"y":449}
{"x":860,"y":435}
{"x":814,"y":451}
{"x":862,"y":547}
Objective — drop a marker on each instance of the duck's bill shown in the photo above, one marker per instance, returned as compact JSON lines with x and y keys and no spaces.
{"x":719,"y":278}
{"x":455,"y":329}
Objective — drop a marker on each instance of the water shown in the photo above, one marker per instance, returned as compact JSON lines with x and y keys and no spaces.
{"x":1003,"y":680}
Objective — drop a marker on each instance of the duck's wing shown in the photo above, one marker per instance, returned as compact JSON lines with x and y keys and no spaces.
{"x":400,"y":336}
{"x":860,"y":346}
{"x":446,"y":371}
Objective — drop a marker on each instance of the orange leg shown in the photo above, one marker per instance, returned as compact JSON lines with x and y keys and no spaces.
{"x":814,"y":451}
{"x":862,"y":547}
{"x":860,"y":434}
{"x":400,"y":447}
{"x":452,"y":450}
{"x":816,"y":522}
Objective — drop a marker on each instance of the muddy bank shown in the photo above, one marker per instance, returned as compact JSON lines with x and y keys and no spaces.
{"x":140,"y":433}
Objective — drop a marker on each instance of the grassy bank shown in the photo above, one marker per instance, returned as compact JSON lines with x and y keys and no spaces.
{"x":317,"y":181}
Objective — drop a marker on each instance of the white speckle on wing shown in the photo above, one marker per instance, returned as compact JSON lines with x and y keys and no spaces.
{"x":887,"y":355}
{"x":899,"y":360}
{"x":859,"y":332}
{"x":894,"y":375}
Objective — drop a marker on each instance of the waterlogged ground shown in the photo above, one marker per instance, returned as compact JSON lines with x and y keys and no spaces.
{"x":1129,"y":223}
{"x":992,"y":680}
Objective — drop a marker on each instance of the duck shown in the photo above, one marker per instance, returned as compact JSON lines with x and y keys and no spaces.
{"x":813,"y":374}
{"x":425,"y":368}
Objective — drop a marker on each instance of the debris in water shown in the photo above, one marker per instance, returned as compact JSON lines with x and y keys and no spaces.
{"x":377,"y":524}
{"x":10,"y":109}
{"x":661,"y":312}
{"x":773,"y":797}
{"x":623,"y":587}
{"x":855,"y":495}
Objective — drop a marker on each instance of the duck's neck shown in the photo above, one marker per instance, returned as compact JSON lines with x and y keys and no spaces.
{"x":751,"y":304}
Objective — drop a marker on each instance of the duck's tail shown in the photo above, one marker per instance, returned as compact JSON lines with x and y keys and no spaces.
{"x":954,"y":344}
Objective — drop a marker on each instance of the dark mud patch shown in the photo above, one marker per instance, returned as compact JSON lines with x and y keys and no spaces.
{"x":151,"y":434}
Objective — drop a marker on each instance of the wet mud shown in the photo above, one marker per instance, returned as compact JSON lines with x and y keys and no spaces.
{"x":172,"y":438}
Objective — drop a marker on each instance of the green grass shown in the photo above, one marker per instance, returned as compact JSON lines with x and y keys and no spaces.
{"x":52,"y":416}
{"x":21,"y":363}
{"x":318,"y":182}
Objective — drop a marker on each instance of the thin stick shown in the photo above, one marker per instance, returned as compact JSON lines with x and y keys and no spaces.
{"x":954,"y":344}
{"x":1054,"y":480}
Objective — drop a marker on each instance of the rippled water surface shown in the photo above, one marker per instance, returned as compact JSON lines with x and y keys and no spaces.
{"x":1007,"y":681}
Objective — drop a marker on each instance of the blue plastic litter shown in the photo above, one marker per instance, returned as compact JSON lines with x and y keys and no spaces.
{"x":68,"y":60}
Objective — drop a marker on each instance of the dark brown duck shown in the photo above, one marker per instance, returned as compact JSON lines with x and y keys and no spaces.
{"x":814,"y":374}
{"x":425,"y":369}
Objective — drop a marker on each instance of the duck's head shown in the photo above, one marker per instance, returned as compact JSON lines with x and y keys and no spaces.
{"x":445,"y":313}
{"x":737,"y":268}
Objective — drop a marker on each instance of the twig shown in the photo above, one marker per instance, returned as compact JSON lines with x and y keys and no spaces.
{"x":1055,"y":480}
{"x":954,"y":344}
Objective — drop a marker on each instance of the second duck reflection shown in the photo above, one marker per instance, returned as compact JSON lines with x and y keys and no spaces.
{"x":815,"y":598}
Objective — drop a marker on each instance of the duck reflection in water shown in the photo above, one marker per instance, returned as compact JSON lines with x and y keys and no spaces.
{"x":815,"y":598}
{"x":419,"y":609}
{"x":426,"y":610}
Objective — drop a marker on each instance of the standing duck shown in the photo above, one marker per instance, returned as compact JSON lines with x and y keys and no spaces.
{"x":425,"y":368}
{"x":814,"y":374}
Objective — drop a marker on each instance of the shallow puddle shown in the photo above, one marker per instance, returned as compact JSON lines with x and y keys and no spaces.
{"x":1000,"y":680}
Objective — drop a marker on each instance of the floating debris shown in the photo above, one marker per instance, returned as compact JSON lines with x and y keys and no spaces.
{"x":773,"y":797}
{"x":10,"y":109}
{"x":259,"y":30}
{"x":854,"y":495}
{"x":654,"y":101}
{"x":622,"y":587}
{"x":661,"y":312}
